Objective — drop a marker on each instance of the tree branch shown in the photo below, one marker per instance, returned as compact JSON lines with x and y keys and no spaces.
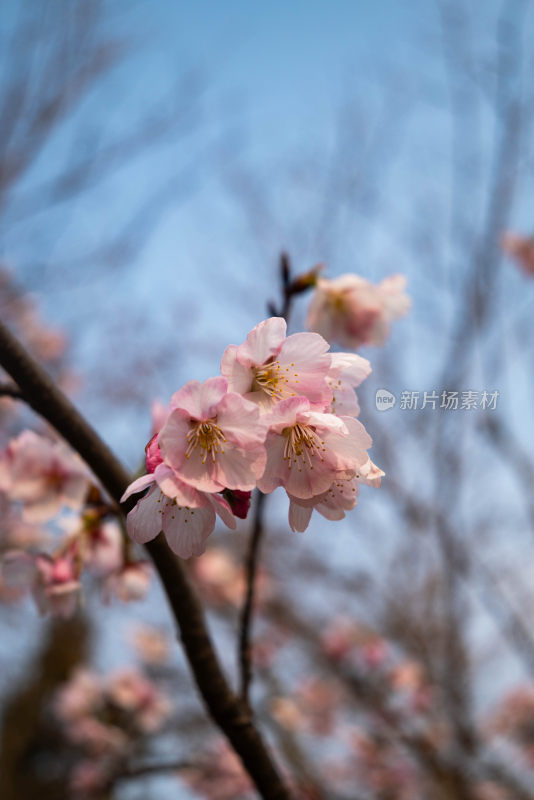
{"x":225,"y":708}
{"x":246,"y":612}
{"x":11,"y":390}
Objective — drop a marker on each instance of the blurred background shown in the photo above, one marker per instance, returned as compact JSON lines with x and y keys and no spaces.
{"x":155,"y":160}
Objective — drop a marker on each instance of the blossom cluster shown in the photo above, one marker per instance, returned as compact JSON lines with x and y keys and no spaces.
{"x":281,"y":414}
{"x":103,"y":717}
{"x":41,"y":478}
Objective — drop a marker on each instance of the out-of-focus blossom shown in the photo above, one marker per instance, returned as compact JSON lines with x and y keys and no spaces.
{"x":43,"y":475}
{"x":223,"y":581}
{"x":132,"y":692}
{"x":152,"y":645}
{"x":221,"y":777}
{"x":97,"y":737}
{"x":53,"y":581}
{"x":103,"y":547}
{"x":221,"y":578}
{"x":353,"y":312}
{"x":515,"y":716}
{"x":80,"y":697}
{"x":214,"y":439}
{"x":16,"y":533}
{"x":130,"y":582}
{"x":269,"y":367}
{"x":88,"y":778}
{"x":521,"y":249}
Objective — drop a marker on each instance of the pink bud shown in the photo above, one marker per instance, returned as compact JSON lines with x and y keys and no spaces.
{"x":153,"y":454}
{"x":238,"y":501}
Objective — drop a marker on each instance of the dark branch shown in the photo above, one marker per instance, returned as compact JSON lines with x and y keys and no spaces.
{"x":246,"y":612}
{"x":11,"y":390}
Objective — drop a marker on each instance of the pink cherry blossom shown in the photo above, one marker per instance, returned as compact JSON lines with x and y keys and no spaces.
{"x":184,"y":514}
{"x":53,"y":581}
{"x":43,"y":475}
{"x":269,"y":367}
{"x":103,"y":547}
{"x":521,"y":249}
{"x":308,"y":450}
{"x":214,"y":439}
{"x":131,"y":691}
{"x":352,"y":311}
{"x":340,"y":497}
{"x":129,"y":583}
{"x":151,"y":645}
{"x":347,"y":371}
{"x":80,"y":697}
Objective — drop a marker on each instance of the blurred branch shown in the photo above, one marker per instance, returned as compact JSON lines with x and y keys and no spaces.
{"x":10,"y":390}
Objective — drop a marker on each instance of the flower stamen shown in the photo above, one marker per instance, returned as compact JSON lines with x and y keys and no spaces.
{"x":208,"y":437}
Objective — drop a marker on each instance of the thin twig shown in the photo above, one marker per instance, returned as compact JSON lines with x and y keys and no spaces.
{"x":129,"y":773}
{"x":225,"y":708}
{"x":11,"y":390}
{"x":288,"y":289}
{"x":246,"y":612}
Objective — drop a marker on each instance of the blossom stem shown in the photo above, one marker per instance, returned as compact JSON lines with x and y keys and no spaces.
{"x":244,"y":648}
{"x":225,"y":708}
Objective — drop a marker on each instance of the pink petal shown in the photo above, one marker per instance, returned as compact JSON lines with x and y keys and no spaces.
{"x":143,"y":523}
{"x":199,"y":400}
{"x":222,"y":509}
{"x":186,"y":530}
{"x":240,"y":421}
{"x":137,"y":486}
{"x":299,"y":516}
{"x":263,"y":342}
{"x":239,"y":376}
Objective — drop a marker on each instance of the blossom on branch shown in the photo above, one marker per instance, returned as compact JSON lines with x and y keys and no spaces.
{"x":353,"y":312}
{"x":213,"y":439}
{"x":340,"y":497}
{"x":53,"y":581}
{"x":43,"y":475}
{"x":268,"y":367}
{"x":283,"y":414}
{"x":185,"y":515}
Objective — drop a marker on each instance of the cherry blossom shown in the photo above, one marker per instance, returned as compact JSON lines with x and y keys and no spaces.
{"x":352,"y":311}
{"x":347,"y":370}
{"x":214,"y":439}
{"x":269,"y":366}
{"x":43,"y":475}
{"x":130,"y":582}
{"x":53,"y":581}
{"x":102,"y":547}
{"x":131,"y":691}
{"x":308,"y":450}
{"x":184,"y":514}
{"x":340,"y":497}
